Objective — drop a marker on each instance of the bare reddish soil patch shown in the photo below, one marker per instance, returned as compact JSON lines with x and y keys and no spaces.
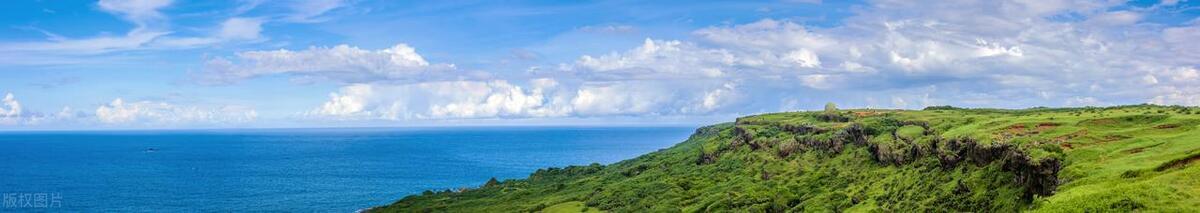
{"x":1073,"y":135}
{"x":1141,"y":149}
{"x":1111,"y":138}
{"x":1179,"y":163}
{"x":1167,"y":126}
{"x":1016,"y":129}
{"x":1062,"y":140}
{"x":1042,"y":127}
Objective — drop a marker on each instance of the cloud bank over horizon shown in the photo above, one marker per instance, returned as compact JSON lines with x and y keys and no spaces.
{"x":876,"y":54}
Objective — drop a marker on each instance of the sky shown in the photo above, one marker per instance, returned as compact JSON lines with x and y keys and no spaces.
{"x":163,"y":64}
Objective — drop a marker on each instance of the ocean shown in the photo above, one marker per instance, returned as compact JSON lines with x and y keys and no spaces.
{"x":309,"y":170}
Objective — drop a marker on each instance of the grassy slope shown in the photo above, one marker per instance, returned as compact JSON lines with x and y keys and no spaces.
{"x":1134,"y":157}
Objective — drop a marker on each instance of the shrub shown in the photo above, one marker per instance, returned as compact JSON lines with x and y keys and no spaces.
{"x":945,"y":107}
{"x":491,"y":183}
{"x":788,"y":147}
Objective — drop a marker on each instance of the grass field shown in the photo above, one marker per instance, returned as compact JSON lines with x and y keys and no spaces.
{"x":941,"y":159}
{"x":570,"y":207}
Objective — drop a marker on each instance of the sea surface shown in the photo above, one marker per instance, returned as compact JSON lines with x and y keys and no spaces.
{"x":321,"y":170}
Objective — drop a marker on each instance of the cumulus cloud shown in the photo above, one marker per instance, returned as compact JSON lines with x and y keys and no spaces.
{"x":620,"y":99}
{"x":1015,"y":51}
{"x":915,"y":54}
{"x":906,"y":54}
{"x":446,"y":99}
{"x":10,"y":113}
{"x":66,"y":115}
{"x":122,"y":113}
{"x":657,"y":59}
{"x":673,"y":59}
{"x":119,"y":112}
{"x":342,"y":63}
{"x":541,"y":97}
{"x":13,"y":107}
{"x":650,"y":98}
{"x":1178,"y":97}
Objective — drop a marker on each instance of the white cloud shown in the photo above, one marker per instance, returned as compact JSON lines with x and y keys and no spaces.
{"x":14,"y":107}
{"x":1083,"y":101}
{"x":343,"y":62}
{"x":609,"y":29}
{"x":657,"y":59}
{"x":1115,"y":18}
{"x":1149,"y":79}
{"x":1183,"y":74}
{"x":352,"y":100}
{"x":818,"y":81}
{"x":1011,"y":50}
{"x":10,"y":113}
{"x":143,"y":13}
{"x":715,"y":99}
{"x":770,"y":47}
{"x":241,"y":28}
{"x":64,"y":116}
{"x":1181,"y":41}
{"x":803,"y":58}
{"x":898,"y":102}
{"x":247,"y":5}
{"x":621,"y":99}
{"x":1178,"y":97}
{"x":444,"y":100}
{"x":986,"y":49}
{"x":147,"y":113}
{"x":237,"y":29}
{"x":1015,"y":53}
{"x":311,"y":10}
{"x":982,"y":53}
{"x":500,"y":99}
{"x":673,"y":60}
{"x":766,"y":34}
{"x":151,"y":31}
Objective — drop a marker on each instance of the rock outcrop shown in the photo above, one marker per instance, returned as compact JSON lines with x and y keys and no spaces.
{"x":1036,"y":177}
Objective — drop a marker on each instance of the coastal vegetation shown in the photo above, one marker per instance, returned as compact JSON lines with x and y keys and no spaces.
{"x":941,"y":159}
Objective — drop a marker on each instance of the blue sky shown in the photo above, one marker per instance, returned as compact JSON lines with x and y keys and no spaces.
{"x":332,"y":63}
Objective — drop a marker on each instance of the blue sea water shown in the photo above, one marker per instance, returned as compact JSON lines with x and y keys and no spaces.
{"x":321,"y":170}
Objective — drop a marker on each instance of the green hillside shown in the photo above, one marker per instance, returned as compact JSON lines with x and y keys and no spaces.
{"x":941,"y":159}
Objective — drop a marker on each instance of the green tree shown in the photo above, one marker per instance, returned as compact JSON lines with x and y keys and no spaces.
{"x":830,"y":107}
{"x":491,"y":182}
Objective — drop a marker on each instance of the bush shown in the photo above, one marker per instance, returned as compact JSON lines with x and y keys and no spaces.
{"x":491,"y":183}
{"x":945,"y":107}
{"x":788,"y":147}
